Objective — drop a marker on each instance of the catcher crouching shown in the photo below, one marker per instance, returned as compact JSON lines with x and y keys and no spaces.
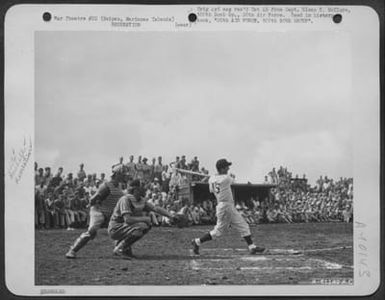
{"x":129,"y":222}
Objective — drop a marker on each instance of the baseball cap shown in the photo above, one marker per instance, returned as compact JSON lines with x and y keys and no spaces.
{"x":222,"y":163}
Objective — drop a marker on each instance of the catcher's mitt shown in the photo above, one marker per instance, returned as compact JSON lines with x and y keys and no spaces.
{"x":180,"y":220}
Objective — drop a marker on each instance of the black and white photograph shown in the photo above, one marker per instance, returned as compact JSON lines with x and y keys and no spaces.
{"x":196,"y":156}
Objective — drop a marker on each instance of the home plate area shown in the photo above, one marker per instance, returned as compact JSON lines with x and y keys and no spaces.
{"x":287,"y":266}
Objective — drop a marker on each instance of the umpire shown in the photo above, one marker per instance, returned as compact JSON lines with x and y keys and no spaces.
{"x":102,"y":205}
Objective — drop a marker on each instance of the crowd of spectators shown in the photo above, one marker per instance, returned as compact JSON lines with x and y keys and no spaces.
{"x":62,"y":200}
{"x":293,"y":200}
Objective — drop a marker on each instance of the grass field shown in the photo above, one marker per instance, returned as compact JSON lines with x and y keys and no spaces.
{"x":164,"y":257}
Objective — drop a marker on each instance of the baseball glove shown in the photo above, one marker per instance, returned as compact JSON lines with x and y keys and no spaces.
{"x":180,"y":220}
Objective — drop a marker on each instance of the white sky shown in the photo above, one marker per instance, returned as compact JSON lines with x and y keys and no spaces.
{"x":259,"y":99}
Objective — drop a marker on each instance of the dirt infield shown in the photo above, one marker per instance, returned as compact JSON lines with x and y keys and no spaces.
{"x":322,"y":251}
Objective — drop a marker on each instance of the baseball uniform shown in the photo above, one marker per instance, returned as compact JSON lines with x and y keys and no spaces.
{"x":220,"y":186}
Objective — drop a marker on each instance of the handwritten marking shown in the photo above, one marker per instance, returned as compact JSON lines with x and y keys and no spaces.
{"x":363,"y":268}
{"x":19,"y":160}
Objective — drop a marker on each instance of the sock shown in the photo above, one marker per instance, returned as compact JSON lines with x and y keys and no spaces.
{"x":251,"y":246}
{"x":205,"y":238}
{"x":248,"y":240}
{"x":198,"y":242}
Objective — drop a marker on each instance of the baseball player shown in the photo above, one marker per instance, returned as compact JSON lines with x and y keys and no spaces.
{"x":130,"y":221}
{"x":102,"y":204}
{"x":227,"y":215}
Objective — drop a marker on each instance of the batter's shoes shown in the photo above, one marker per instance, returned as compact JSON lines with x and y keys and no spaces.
{"x":195,"y":247}
{"x":257,"y":250}
{"x":71,"y":254}
{"x":122,"y":254}
{"x":128,"y":252}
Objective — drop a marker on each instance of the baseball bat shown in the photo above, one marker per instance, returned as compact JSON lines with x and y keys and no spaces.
{"x":191,"y":172}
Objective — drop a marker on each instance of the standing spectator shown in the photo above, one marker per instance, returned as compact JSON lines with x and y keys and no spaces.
{"x":60,"y":208}
{"x":158,"y":170}
{"x":69,"y":181}
{"x":139,"y":169}
{"x":81,"y":173}
{"x":350,"y":189}
{"x":146,"y":171}
{"x":78,"y":207}
{"x":195,"y":164}
{"x":204,"y":178}
{"x":320,"y":183}
{"x":102,"y":178}
{"x":40,"y":208}
{"x":152,"y":170}
{"x":130,"y":166}
{"x":47,"y":175}
{"x":42,"y":190}
{"x":94,"y":179}
{"x":89,"y":180}
{"x":177,"y":164}
{"x":165,"y":179}
{"x":326,"y":184}
{"x":273,"y":176}
{"x":182,"y":163}
{"x":57,"y":179}
{"x":175,"y":182}
{"x":119,"y":164}
{"x":39,"y":177}
{"x":52,"y":217}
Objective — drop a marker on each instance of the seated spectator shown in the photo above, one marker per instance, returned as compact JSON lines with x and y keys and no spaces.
{"x":165,"y":220}
{"x":195,"y":215}
{"x":155,"y":185}
{"x":272,"y":215}
{"x":204,"y":216}
{"x":185,"y":210}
